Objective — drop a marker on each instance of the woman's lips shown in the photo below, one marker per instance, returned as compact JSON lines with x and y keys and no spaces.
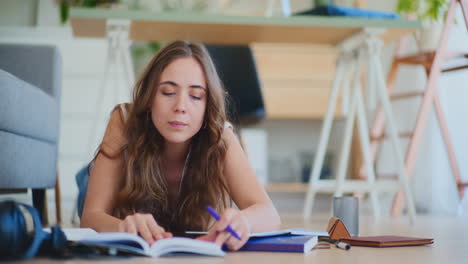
{"x":177,"y":124}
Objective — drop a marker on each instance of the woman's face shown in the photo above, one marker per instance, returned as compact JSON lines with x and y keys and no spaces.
{"x":179,"y":104}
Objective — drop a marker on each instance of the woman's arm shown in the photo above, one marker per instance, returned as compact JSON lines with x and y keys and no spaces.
{"x":100,"y":197}
{"x":105,"y":178}
{"x":103,"y":188}
{"x":256,"y":214}
{"x":245,"y":189}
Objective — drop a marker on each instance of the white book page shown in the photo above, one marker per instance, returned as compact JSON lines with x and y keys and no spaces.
{"x":307,"y":232}
{"x":310,"y":244}
{"x":74,"y":234}
{"x":188,"y":245}
{"x":271,"y":233}
{"x":115,"y":237}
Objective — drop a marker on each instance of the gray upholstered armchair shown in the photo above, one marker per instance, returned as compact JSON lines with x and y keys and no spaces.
{"x":30,"y":84}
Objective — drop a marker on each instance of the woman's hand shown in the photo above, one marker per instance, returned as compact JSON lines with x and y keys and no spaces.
{"x":145,"y":226}
{"x":239,"y":223}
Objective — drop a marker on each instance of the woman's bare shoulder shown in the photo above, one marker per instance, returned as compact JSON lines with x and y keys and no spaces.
{"x":114,"y":137}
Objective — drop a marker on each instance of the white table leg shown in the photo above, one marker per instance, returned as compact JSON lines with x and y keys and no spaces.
{"x":110,"y":59}
{"x":348,"y":133}
{"x":345,"y":148}
{"x":127,"y":61}
{"x":118,"y":58}
{"x":324,"y":136}
{"x":391,"y":127}
{"x":364,"y":138}
{"x":345,"y":97}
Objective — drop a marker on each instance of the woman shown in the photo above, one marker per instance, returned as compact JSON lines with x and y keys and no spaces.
{"x":170,"y":153}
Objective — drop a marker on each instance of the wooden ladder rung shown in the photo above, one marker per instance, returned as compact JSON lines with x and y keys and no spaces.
{"x":421,"y":58}
{"x":384,"y":136}
{"x":428,"y":57}
{"x":456,"y":68}
{"x":400,"y":96}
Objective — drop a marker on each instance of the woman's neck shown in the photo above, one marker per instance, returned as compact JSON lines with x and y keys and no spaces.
{"x":175,"y":153}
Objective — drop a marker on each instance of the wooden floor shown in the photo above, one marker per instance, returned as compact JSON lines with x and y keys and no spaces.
{"x":450,"y":245}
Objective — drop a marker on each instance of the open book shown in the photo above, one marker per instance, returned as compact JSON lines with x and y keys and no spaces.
{"x":126,"y":242}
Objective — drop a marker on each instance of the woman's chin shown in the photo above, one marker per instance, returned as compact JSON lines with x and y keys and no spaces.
{"x":177,"y":139}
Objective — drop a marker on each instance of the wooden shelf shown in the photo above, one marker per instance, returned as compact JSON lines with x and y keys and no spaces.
{"x":227,"y":29}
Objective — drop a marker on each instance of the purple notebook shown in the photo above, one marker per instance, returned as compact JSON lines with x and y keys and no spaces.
{"x":287,"y":243}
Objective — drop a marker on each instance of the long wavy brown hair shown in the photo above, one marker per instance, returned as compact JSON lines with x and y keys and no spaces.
{"x":144,"y":189}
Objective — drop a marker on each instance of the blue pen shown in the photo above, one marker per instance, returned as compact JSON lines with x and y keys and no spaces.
{"x":216,"y":216}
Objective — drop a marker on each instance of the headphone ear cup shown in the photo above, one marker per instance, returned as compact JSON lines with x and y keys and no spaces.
{"x":14,"y":239}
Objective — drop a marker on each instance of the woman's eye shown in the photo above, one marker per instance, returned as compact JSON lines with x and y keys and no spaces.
{"x":166,"y":93}
{"x":196,"y":97}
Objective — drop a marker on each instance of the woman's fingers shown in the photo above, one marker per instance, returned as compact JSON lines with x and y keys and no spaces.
{"x":239,"y":224}
{"x":130,"y":227}
{"x":144,"y":231}
{"x":220,"y":227}
{"x":232,"y":242}
{"x":221,"y":238}
{"x":145,"y":226}
{"x":156,"y":230}
{"x":226,"y":219}
{"x":167,"y":235}
{"x":211,"y":236}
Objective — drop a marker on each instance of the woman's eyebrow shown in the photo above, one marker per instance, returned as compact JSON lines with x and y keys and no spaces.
{"x":168,"y":82}
{"x":197,"y":86}
{"x":171,"y":83}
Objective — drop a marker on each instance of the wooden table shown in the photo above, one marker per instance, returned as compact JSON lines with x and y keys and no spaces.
{"x":450,"y":246}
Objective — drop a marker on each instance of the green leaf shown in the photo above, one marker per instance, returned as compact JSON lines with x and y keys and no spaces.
{"x":64,"y":11}
{"x":154,"y":47}
{"x":423,"y":9}
{"x":407,"y":6}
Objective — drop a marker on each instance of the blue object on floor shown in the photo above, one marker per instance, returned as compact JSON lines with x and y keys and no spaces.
{"x":333,"y":10}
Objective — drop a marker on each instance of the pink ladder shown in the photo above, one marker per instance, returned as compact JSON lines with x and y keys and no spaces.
{"x":432,"y":62}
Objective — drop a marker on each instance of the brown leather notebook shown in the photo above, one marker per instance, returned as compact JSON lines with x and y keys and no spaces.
{"x":386,"y":241}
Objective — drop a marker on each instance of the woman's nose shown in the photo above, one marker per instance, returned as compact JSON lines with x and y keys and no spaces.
{"x":180,"y":105}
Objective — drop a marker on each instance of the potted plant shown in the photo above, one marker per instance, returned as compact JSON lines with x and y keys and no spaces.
{"x":431,"y":13}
